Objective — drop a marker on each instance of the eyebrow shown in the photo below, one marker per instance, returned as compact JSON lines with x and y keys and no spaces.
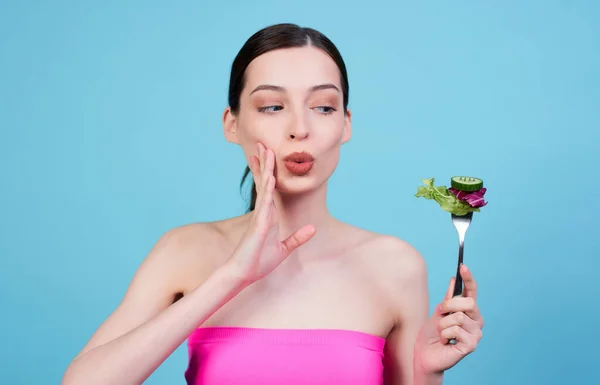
{"x":270,"y":87}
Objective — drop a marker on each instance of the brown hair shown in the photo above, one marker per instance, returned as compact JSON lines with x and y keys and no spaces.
{"x":274,"y":37}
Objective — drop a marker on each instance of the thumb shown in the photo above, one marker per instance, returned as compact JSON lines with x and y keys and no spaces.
{"x":298,"y":238}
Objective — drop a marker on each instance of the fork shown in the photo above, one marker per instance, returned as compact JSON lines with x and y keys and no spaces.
{"x":461,"y":224}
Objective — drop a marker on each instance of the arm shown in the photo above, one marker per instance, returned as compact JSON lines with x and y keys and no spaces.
{"x":411,"y":310}
{"x":145,"y":330}
{"x":146,"y":327}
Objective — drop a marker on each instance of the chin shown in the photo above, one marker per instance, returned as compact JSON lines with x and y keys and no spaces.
{"x":293,"y":184}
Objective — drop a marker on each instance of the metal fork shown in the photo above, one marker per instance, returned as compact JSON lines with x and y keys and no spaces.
{"x":461,"y":223}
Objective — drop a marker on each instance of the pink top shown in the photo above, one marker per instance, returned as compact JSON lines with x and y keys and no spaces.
{"x":253,"y":356}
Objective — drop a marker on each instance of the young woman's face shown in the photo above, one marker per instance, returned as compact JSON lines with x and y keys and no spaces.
{"x":292,"y":102}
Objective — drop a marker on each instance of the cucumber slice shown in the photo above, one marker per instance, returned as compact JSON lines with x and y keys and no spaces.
{"x":466,"y":183}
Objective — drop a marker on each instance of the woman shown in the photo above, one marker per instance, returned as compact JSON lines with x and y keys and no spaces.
{"x":285,"y":294}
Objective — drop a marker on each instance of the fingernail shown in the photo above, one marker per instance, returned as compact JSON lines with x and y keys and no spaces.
{"x":441,"y":309}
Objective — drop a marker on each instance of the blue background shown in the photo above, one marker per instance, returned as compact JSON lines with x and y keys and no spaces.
{"x":111,"y":135}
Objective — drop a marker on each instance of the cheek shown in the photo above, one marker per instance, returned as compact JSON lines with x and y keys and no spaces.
{"x":330,"y":132}
{"x":330,"y":142}
{"x":254,"y":129}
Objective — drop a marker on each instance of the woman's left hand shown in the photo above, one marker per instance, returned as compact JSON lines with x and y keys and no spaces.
{"x":455,"y":317}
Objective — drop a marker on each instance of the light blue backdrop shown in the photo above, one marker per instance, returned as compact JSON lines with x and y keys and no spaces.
{"x":110,"y":135}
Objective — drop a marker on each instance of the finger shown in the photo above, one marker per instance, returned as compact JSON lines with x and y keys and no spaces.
{"x":450,"y":290}
{"x":459,"y":319}
{"x":255,"y":170}
{"x":452,"y":332}
{"x":266,"y":202}
{"x":254,"y":166}
{"x":470,"y":284}
{"x":467,"y":342}
{"x":298,"y":238}
{"x":270,"y":162}
{"x":466,"y":305}
{"x":264,"y":159}
{"x":264,"y":163}
{"x":264,"y":176}
{"x":261,"y":156}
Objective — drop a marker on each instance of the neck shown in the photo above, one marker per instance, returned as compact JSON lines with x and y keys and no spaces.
{"x":296,"y":211}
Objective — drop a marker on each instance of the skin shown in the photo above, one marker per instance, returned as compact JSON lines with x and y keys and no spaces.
{"x":326,"y":274}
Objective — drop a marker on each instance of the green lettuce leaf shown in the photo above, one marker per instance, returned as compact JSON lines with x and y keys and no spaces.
{"x":447,"y":201}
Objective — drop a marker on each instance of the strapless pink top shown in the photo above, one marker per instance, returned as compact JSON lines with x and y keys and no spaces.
{"x":253,"y":356}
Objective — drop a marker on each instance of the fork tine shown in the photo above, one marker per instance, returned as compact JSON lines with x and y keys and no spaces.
{"x":461,"y":223}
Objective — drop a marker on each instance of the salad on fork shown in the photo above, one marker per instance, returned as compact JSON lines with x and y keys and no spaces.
{"x":465,"y":195}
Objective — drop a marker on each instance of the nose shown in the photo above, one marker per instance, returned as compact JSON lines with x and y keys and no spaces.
{"x":298,"y":127}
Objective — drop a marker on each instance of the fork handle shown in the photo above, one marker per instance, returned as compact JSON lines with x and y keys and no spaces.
{"x":458,"y":283}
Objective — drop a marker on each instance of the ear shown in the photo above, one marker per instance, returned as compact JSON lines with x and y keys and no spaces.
{"x":230,"y":126}
{"x":347,"y":127}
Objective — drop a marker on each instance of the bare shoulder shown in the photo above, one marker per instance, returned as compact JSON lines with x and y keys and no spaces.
{"x":191,"y":252}
{"x":394,"y":265}
{"x":179,"y":261}
{"x":398,"y":259}
{"x":388,"y":255}
{"x":179,"y":244}
{"x":180,"y":251}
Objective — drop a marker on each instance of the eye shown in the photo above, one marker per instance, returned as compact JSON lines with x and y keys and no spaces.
{"x":270,"y":109}
{"x":325,"y":110}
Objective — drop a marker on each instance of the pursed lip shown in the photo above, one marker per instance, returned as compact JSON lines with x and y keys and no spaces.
{"x":299,"y":157}
{"x":298,"y":163}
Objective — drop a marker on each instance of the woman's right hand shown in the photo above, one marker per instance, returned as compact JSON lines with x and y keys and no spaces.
{"x":261,"y":250}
